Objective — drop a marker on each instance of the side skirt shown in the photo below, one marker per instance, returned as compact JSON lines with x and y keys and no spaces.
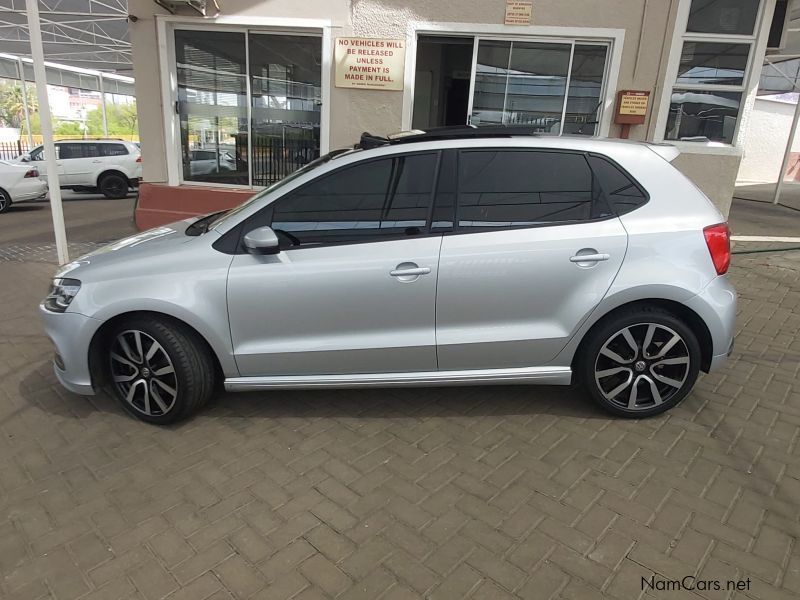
{"x":527,"y":375}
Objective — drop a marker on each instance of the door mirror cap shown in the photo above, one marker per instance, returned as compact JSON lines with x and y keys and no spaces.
{"x":262,"y":241}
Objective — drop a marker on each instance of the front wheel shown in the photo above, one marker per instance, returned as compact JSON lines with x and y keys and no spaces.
{"x":159,"y":370}
{"x":640,"y":362}
{"x":5,"y":200}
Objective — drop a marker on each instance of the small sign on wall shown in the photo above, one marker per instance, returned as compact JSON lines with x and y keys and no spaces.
{"x":368,"y":63}
{"x":519,"y":12}
{"x":631,"y":107}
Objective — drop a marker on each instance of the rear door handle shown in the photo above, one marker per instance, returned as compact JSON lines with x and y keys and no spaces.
{"x":410,"y":272}
{"x":589,"y":257}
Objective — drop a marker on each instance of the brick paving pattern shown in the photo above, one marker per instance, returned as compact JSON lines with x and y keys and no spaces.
{"x":475,"y":492}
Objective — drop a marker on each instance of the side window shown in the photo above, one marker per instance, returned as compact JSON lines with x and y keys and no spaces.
{"x":524,"y":188}
{"x":113,"y":149}
{"x":369,"y":201}
{"x":622,"y":192}
{"x":78,"y":150}
{"x":38,"y":153}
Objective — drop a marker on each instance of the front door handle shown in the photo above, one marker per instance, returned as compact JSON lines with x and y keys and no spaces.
{"x":579,"y":258}
{"x":408,"y":271}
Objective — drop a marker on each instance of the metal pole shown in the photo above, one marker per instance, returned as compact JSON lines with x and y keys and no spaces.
{"x":103,"y":104}
{"x":21,"y":72}
{"x":787,"y":153}
{"x":37,"y":53}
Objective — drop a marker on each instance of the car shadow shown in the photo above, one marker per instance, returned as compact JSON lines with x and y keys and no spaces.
{"x":40,"y":388}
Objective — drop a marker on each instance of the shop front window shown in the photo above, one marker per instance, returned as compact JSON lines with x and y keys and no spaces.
{"x":249,"y":104}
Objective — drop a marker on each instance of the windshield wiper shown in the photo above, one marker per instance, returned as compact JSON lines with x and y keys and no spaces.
{"x":202,"y":224}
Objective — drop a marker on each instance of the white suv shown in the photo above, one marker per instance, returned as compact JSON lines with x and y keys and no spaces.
{"x":109,"y":166}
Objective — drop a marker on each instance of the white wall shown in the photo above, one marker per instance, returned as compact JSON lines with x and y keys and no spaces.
{"x":765,"y":141}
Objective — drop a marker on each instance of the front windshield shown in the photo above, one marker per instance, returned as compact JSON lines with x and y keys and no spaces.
{"x":279,"y":184}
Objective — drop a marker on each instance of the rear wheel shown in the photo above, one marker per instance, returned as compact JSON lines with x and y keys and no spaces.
{"x":113,"y":185}
{"x":641,"y":362}
{"x":159,"y":370}
{"x":5,"y":200}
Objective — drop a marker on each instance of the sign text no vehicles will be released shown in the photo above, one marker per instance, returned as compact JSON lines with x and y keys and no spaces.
{"x":377,"y":64}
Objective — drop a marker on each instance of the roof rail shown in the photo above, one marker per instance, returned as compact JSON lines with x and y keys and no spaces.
{"x":455,"y":132}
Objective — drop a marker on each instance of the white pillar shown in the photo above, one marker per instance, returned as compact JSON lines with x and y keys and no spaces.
{"x":103,"y":104}
{"x":787,"y":152}
{"x":37,"y":53}
{"x":21,"y":72}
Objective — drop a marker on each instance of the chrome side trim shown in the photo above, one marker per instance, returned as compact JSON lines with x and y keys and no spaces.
{"x":533,"y":375}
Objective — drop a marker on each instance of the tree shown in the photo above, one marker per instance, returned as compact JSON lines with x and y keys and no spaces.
{"x":121,"y":118}
{"x":12,"y":107}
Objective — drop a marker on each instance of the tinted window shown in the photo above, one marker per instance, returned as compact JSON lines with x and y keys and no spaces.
{"x":114,"y":149}
{"x":38,"y":153}
{"x":363,"y":202}
{"x":519,"y":188}
{"x":78,"y":150}
{"x":623,"y":193}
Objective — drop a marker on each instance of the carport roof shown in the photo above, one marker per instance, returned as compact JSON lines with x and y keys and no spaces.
{"x":92,"y":34}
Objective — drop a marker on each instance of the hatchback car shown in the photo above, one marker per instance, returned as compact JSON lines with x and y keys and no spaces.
{"x":19,"y":183}
{"x":443,"y":258}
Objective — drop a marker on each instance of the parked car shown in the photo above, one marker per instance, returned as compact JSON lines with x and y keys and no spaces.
{"x":19,"y":183}
{"x":449,"y":257}
{"x":110,"y":166}
{"x":205,"y":162}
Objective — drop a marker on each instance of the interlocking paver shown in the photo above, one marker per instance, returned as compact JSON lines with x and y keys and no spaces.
{"x":479,"y":492}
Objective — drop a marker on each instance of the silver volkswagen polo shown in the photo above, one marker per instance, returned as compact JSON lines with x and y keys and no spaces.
{"x":450,"y":257}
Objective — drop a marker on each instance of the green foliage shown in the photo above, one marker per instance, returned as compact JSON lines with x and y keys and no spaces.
{"x":122,"y":120}
{"x":67,"y":128}
{"x":12,"y":107}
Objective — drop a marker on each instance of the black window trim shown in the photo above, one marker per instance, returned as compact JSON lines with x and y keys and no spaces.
{"x":264,"y":216}
{"x":458,"y":230}
{"x":626,"y":173}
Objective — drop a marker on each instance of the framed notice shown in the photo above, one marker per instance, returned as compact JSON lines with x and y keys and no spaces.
{"x":369,"y":63}
{"x":631,"y":107}
{"x":519,"y":12}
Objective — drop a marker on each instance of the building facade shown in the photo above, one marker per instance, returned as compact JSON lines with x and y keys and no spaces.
{"x":231,"y":103}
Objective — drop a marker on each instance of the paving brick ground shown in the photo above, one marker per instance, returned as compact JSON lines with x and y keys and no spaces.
{"x":482,"y":492}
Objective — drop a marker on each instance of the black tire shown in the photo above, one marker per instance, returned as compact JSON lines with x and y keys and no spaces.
{"x":5,"y":200}
{"x":193,"y":375}
{"x":113,"y":185}
{"x":652,"y":378}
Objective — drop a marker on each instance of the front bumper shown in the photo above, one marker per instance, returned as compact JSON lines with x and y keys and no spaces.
{"x":71,"y":334}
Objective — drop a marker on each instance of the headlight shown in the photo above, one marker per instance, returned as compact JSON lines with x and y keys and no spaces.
{"x":61,"y":293}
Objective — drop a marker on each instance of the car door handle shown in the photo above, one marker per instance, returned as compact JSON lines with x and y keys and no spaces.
{"x":410,"y":272}
{"x":589,"y":257}
{"x":97,"y":162}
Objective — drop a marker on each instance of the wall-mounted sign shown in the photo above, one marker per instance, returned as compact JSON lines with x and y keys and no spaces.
{"x":368,"y":63}
{"x":519,"y":12}
{"x":631,"y":107}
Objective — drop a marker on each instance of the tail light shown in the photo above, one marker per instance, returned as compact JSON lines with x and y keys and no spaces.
{"x":139,"y":158}
{"x":718,"y":240}
{"x":32,"y":173}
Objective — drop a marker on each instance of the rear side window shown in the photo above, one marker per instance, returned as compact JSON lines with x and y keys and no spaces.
{"x":622,"y":191}
{"x":524,"y":188}
{"x":368,"y":201}
{"x":68,"y":150}
{"x":113,"y":149}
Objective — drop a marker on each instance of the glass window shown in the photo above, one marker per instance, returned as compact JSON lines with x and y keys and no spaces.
{"x":363,"y":202}
{"x":68,"y":150}
{"x":703,"y":114}
{"x":212,"y":104}
{"x":286,"y":97}
{"x":518,"y":188}
{"x":491,"y":73}
{"x":113,"y":149}
{"x":585,"y":87}
{"x":713,"y":63}
{"x":37,"y":154}
{"x":737,"y":17}
{"x":623,"y":193}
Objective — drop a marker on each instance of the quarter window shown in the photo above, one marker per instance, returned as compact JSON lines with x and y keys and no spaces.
{"x":622,"y":192}
{"x":518,"y":188}
{"x":113,"y":149}
{"x":364,"y":202}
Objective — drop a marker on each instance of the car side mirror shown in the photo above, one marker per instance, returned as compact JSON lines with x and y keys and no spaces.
{"x":25,"y":158}
{"x":262,"y":241}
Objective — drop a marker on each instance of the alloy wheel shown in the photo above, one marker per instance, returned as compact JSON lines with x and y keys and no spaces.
{"x":642,"y":366}
{"x":143,"y":373}
{"x":3,"y":201}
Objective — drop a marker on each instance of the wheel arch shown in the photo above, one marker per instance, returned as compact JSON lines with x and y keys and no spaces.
{"x":107,"y":172}
{"x":101,"y":339}
{"x":680,"y":310}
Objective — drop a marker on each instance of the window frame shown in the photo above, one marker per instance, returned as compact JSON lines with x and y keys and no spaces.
{"x":165,"y":33}
{"x":757,"y":43}
{"x":459,"y":230}
{"x":265,"y":216}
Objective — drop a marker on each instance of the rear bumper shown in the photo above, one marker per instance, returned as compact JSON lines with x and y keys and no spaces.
{"x":716,"y":305}
{"x":31,"y":192}
{"x":71,"y":334}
